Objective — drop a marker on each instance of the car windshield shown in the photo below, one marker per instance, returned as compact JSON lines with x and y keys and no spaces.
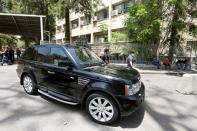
{"x":85,"y":57}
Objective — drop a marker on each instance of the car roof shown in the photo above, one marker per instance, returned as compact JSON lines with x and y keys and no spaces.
{"x":58,"y":45}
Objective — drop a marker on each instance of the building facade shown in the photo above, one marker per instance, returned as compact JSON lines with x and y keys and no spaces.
{"x":110,"y":13}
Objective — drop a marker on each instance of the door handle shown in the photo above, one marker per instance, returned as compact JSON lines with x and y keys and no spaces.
{"x":72,"y":78}
{"x":51,"y":72}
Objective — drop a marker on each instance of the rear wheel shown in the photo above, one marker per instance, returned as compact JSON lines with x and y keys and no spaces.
{"x":29,"y":85}
{"x":102,"y":108}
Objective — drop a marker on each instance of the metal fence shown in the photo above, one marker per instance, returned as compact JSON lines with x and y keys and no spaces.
{"x":143,"y":54}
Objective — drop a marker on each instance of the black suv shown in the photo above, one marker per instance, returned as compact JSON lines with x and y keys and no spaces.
{"x":75,"y":75}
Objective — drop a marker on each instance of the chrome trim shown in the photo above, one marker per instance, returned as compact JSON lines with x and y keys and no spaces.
{"x":66,"y":102}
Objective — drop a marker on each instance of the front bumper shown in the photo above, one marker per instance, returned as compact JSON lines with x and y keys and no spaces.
{"x":130,"y":104}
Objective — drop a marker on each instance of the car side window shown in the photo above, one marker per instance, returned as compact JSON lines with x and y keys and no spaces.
{"x":29,"y":54}
{"x":42,"y":55}
{"x":58,"y":57}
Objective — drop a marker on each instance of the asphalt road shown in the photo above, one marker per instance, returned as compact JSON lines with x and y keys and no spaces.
{"x":165,"y":108}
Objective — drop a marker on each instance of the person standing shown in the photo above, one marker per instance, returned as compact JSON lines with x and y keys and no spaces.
{"x":1,"y":54}
{"x":130,"y":60}
{"x":105,"y":57}
{"x":12,"y":56}
{"x":18,"y":53}
{"x":5,"y":56}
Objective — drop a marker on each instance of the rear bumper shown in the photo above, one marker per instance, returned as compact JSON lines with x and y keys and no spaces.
{"x":130,"y":104}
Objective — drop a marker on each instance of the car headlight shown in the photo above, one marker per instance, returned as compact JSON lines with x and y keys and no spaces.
{"x":132,"y":89}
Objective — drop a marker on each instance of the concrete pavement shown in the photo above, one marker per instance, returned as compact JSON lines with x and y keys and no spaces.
{"x":165,"y":109}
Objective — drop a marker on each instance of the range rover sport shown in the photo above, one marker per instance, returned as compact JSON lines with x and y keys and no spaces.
{"x":75,"y":75}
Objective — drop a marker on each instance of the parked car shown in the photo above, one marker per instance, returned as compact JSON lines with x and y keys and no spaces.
{"x":75,"y":75}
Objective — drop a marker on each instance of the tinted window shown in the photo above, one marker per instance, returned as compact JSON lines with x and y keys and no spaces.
{"x":29,"y":54}
{"x":58,"y":56}
{"x":85,"y":56}
{"x":42,"y":55}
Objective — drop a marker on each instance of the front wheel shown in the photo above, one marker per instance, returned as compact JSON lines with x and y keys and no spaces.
{"x":102,"y":108}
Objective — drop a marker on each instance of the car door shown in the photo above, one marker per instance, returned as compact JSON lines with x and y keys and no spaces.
{"x":42,"y":67}
{"x":61,"y":79}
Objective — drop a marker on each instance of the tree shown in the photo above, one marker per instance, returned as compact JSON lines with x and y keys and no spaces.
{"x":7,"y":40}
{"x":119,"y":36}
{"x":81,"y":6}
{"x":143,"y":25}
{"x":38,"y":7}
{"x":177,"y":24}
{"x":5,"y":5}
{"x":161,"y":22}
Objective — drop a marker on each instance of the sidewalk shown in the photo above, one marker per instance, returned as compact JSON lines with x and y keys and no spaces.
{"x":150,"y":69}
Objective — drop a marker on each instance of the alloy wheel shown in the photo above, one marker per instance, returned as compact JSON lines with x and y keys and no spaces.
{"x":101,"y":109}
{"x":28,"y":84}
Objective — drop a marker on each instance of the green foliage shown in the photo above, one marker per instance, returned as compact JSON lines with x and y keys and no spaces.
{"x":5,"y":5}
{"x":143,"y":23}
{"x":37,"y":7}
{"x":7,"y":40}
{"x":119,"y":36}
{"x":103,"y":27}
{"x":193,"y":30}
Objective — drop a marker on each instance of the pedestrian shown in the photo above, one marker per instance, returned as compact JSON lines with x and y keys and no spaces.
{"x":11,"y":56}
{"x":166,"y":63}
{"x":130,"y":60}
{"x":178,"y":63}
{"x":5,"y":56}
{"x":18,"y":53}
{"x":1,"y":54}
{"x":156,"y":62}
{"x":105,"y":57}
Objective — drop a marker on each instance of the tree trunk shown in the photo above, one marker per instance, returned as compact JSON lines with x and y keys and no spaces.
{"x":67,"y":25}
{"x":173,"y":37}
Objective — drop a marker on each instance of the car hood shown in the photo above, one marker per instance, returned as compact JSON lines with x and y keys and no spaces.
{"x":115,"y":71}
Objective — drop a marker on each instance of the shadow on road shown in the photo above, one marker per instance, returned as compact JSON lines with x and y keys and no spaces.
{"x":134,"y":120}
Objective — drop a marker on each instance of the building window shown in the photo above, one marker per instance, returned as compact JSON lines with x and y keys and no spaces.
{"x":86,"y":20}
{"x":100,"y":38}
{"x":59,"y":29}
{"x":122,"y":7}
{"x":103,"y":14}
{"x":75,"y":24}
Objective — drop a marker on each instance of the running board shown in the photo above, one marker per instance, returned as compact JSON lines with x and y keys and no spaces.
{"x":66,"y":102}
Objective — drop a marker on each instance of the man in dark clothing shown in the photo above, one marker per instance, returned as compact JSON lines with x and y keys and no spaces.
{"x":18,"y":53}
{"x":105,"y":57}
{"x":11,"y":56}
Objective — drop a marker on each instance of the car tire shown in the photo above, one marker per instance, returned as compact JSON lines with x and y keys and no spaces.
{"x":102,"y":109}
{"x":29,"y":85}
